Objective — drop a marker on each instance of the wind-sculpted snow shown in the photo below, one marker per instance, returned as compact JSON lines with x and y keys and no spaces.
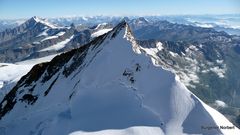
{"x":109,"y":86}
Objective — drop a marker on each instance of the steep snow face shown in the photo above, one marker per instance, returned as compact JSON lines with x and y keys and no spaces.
{"x":116,"y":89}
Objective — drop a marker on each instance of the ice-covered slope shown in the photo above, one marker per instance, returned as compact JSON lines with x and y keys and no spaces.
{"x":10,"y":74}
{"x":109,"y":86}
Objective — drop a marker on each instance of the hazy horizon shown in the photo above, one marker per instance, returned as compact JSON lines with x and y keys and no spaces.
{"x":130,"y":16}
{"x":15,"y":9}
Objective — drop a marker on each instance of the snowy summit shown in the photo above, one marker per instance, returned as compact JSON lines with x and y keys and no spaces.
{"x":108,"y":86}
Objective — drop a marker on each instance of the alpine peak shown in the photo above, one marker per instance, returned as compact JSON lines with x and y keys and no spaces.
{"x":36,"y":19}
{"x":69,"y":94}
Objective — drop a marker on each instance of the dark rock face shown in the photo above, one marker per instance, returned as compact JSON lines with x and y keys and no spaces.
{"x":29,"y":99}
{"x":8,"y":34}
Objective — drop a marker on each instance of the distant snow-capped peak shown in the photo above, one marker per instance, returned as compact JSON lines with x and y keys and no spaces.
{"x":43,"y":21}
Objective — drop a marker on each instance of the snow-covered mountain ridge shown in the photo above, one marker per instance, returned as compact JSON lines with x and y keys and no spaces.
{"x":37,"y":37}
{"x":109,"y":83}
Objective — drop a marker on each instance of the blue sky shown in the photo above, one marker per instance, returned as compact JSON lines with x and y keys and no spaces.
{"x":10,"y":9}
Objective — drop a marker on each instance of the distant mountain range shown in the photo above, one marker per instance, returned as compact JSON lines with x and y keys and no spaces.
{"x":36,"y":38}
{"x":228,"y":23}
{"x":100,"y":54}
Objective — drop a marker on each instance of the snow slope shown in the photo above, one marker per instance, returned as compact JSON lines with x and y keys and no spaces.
{"x":52,"y":37}
{"x":57,"y":46}
{"x":11,"y":73}
{"x":112,"y":87}
{"x":37,"y":60}
{"x":100,"y":32}
{"x":139,"y":130}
